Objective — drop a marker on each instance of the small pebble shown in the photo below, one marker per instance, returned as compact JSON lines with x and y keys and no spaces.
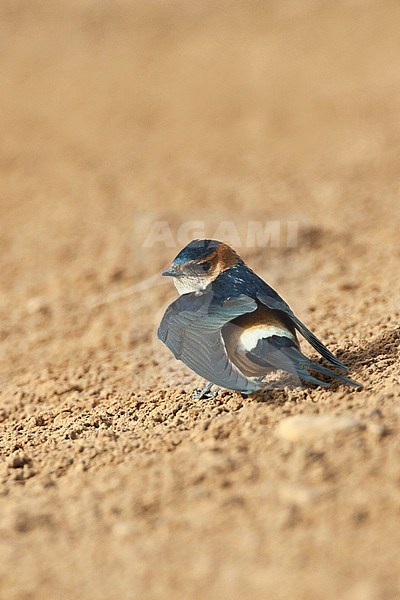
{"x":307,"y":428}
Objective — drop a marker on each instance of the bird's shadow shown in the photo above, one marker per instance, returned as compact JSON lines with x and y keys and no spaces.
{"x":386,"y":344}
{"x":275,"y":390}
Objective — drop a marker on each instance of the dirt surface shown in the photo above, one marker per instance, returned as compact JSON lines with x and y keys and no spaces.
{"x":115,"y":115}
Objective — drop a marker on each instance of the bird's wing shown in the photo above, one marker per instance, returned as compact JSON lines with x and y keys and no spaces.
{"x":191,"y":329}
{"x":272,"y":300}
{"x":282,"y":353}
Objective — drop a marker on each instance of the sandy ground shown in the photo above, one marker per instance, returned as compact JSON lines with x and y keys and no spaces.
{"x":117,"y":115}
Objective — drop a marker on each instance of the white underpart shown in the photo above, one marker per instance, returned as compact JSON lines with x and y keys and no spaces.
{"x":251,"y":337}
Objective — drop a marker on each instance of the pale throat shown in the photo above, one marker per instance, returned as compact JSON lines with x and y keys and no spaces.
{"x":188,"y":285}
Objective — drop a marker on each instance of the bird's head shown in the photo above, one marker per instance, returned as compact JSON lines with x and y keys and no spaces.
{"x":199,"y":264}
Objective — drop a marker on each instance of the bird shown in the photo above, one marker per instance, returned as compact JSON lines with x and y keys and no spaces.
{"x":232,"y":328}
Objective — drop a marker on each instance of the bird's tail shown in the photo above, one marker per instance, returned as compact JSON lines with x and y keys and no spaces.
{"x":313,"y":366}
{"x":282,"y":353}
{"x":317,"y":344}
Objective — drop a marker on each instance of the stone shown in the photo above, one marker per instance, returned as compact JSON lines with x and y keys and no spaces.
{"x":308,"y":428}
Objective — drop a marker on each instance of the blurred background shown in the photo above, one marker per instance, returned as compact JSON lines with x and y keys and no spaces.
{"x":114,"y":115}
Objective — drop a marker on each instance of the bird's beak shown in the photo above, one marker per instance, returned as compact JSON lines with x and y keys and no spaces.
{"x":170,"y":273}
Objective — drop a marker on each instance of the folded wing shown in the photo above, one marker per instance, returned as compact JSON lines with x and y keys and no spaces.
{"x":191,"y":329}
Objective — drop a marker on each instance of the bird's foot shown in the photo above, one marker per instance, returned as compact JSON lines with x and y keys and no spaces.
{"x":205,"y":392}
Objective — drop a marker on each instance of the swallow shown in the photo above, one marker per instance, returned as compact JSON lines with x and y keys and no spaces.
{"x":232,"y":328}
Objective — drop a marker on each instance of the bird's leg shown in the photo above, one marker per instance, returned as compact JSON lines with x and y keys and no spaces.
{"x":205,"y":392}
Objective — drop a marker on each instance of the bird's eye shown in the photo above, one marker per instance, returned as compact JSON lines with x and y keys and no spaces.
{"x":206,"y":266}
